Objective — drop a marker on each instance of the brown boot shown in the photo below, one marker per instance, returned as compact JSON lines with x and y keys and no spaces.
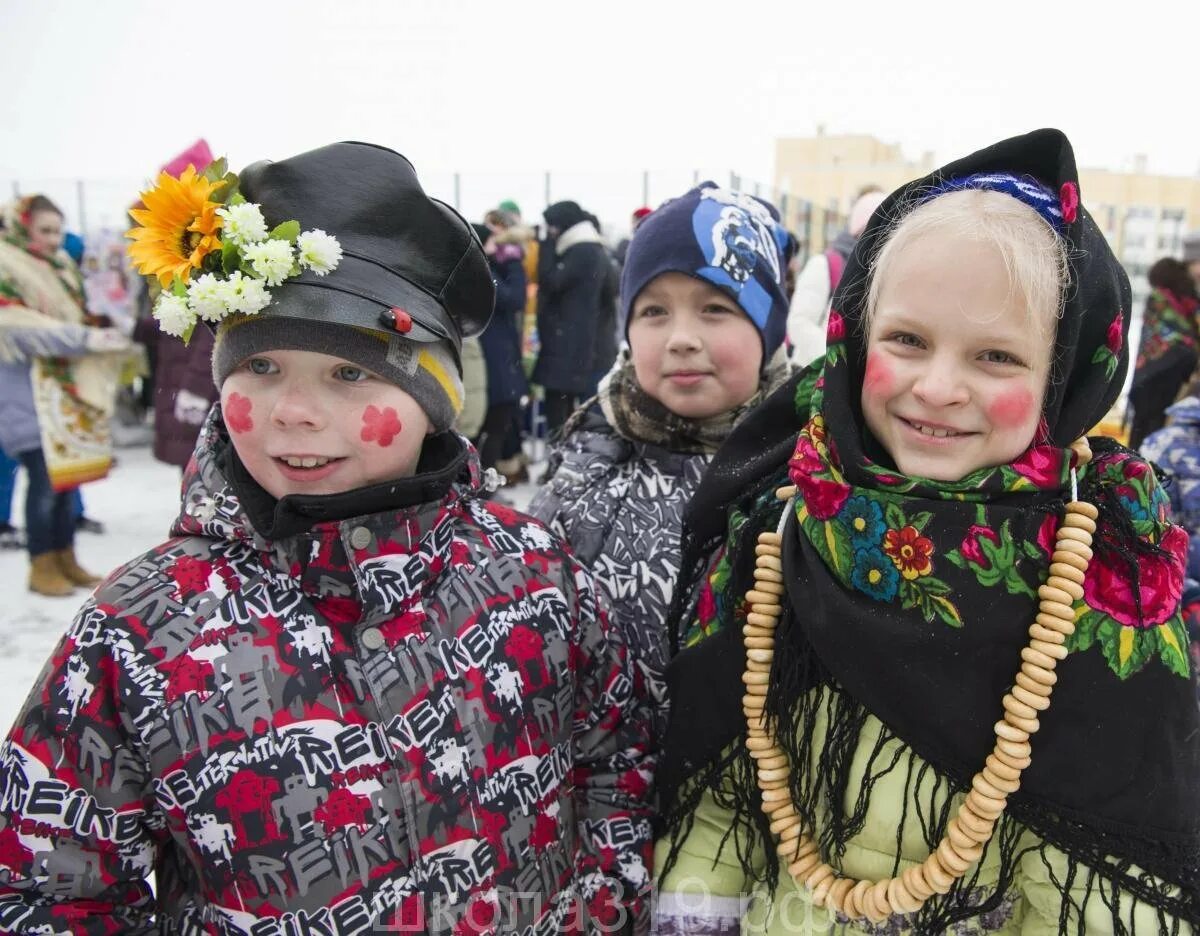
{"x":72,"y":571}
{"x":46,"y":576}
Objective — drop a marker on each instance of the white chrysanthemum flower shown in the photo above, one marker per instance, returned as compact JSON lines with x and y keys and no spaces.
{"x":174,"y":316}
{"x":271,"y":260}
{"x":206,"y":298}
{"x":242,"y":224}
{"x":320,"y":252}
{"x":245,"y":295}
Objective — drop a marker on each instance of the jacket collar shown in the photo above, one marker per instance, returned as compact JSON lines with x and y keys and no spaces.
{"x":582,"y":233}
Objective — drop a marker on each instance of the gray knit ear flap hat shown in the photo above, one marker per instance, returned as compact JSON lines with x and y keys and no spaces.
{"x":427,"y":371}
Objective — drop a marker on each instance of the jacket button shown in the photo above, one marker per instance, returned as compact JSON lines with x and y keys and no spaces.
{"x":372,"y":638}
{"x":360,"y":537}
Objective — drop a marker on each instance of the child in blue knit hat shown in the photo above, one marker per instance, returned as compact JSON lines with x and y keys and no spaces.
{"x":704,"y":312}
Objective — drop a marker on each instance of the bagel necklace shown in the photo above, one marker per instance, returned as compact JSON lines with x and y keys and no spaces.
{"x":970,"y":829}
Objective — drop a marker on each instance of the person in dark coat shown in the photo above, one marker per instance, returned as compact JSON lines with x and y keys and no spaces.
{"x":574,"y":300}
{"x":1168,"y":352}
{"x":501,"y":342}
{"x":183,"y":389}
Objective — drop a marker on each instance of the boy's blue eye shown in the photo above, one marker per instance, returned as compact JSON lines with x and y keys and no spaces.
{"x":714,"y":309}
{"x":650,"y":311}
{"x":259,"y":366}
{"x":351,"y":374}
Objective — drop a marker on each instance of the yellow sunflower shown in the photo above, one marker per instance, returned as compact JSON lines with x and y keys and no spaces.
{"x":179,"y":227}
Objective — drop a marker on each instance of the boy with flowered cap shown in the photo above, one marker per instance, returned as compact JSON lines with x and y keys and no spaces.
{"x":348,"y":695}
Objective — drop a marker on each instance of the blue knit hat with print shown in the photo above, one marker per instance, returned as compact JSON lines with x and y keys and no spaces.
{"x":733,"y":241}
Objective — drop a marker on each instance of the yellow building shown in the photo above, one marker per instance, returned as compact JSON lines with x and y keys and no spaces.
{"x":1144,"y":216}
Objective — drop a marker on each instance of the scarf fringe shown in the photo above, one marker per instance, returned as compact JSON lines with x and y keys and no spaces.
{"x":802,"y":694}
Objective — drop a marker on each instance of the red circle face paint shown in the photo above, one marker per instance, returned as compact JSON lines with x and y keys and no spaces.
{"x":877,"y":378}
{"x":237,"y":413}
{"x":380,"y":425}
{"x":1011,"y":409}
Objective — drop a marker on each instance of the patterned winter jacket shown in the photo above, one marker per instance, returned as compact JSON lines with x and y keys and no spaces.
{"x":411,"y":721}
{"x":620,"y":505}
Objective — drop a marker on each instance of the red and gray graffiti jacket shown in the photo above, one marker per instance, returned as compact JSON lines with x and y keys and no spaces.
{"x":411,"y":721}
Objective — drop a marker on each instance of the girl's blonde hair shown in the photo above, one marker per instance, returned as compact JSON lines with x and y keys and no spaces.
{"x":1033,"y":254}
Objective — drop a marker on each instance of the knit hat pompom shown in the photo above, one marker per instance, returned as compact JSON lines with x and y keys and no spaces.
{"x":734,"y":241}
{"x":427,"y":371}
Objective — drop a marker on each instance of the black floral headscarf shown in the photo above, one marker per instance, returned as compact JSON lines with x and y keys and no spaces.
{"x":910,"y":600}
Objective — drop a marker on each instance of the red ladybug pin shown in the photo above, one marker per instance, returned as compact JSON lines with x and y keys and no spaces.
{"x":401,"y":320}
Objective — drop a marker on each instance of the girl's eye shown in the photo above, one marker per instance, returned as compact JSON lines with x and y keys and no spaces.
{"x":260,"y":366}
{"x":351,"y":374}
{"x":1000,"y":357}
{"x":907,"y":339}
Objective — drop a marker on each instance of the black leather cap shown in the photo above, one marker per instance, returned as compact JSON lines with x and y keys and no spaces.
{"x":401,"y":249}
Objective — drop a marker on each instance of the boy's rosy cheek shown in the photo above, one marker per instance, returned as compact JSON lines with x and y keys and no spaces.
{"x":380,"y":425}
{"x":1011,"y":409}
{"x":236,"y":411}
{"x":878,"y":377}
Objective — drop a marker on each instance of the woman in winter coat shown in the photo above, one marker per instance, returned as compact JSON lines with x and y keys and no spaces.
{"x":1167,"y":353}
{"x":58,"y":382}
{"x":501,"y":341}
{"x":705,"y":312}
{"x":575,"y":298}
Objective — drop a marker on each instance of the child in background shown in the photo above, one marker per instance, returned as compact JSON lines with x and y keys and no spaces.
{"x":704,"y":313}
{"x":851,"y":742}
{"x":348,"y":692}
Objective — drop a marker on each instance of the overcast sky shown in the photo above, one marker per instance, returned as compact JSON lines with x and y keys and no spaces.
{"x":110,"y":90}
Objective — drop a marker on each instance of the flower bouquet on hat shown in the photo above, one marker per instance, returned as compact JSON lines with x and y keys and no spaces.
{"x":212,"y":251}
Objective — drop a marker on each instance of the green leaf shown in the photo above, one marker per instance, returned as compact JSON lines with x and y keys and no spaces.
{"x":288,"y":231}
{"x":226,"y":187}
{"x":1015,"y":584}
{"x":919,"y":520}
{"x":1085,"y":632}
{"x":956,"y":558}
{"x":932,"y":586}
{"x":216,"y":169}
{"x":179,"y":288}
{"x":186,"y":337}
{"x":894,"y":516}
{"x":237,"y":198}
{"x":231,"y":257}
{"x":947,"y":611}
{"x":1173,"y":653}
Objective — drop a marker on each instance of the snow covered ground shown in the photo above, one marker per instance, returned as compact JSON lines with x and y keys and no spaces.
{"x":136,"y":502}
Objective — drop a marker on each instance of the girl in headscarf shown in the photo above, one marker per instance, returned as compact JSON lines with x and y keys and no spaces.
{"x":940,"y":677}
{"x":58,"y":380}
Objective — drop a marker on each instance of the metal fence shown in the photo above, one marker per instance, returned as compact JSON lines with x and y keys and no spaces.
{"x":98,"y":206}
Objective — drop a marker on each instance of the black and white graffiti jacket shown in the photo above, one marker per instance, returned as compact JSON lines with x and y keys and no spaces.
{"x":413,"y":721}
{"x":619,"y":504}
